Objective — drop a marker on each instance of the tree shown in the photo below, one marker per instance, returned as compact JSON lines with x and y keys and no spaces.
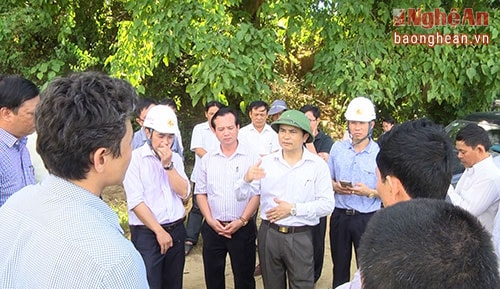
{"x":240,"y":50}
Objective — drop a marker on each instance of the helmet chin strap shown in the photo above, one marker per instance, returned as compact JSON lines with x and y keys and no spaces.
{"x":369,"y":135}
{"x":151,"y":144}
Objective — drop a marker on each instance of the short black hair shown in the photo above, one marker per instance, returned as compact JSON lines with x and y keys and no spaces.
{"x":256,"y":104}
{"x":223,"y":111}
{"x":213,"y":103}
{"x":425,"y":244}
{"x":15,"y":90}
{"x":388,"y":119}
{"x":169,"y":102}
{"x":142,"y":104}
{"x":313,"y":109}
{"x":473,"y":135}
{"x":78,"y":114}
{"x":419,"y":154}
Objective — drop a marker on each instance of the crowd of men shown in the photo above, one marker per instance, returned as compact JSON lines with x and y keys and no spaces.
{"x":261,"y":190}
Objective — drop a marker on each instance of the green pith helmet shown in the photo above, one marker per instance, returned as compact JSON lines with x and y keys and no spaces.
{"x":297,"y":119}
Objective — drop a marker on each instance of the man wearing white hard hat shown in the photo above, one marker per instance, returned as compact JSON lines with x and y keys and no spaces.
{"x":353,"y":170}
{"x":155,"y":185}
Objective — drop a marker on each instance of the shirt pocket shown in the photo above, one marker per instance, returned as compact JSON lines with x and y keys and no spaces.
{"x":368,"y":168}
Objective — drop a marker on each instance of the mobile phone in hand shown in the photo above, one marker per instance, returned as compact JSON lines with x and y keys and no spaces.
{"x":346,"y":184}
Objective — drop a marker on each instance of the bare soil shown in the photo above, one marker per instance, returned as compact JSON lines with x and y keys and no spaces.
{"x":193,"y":269}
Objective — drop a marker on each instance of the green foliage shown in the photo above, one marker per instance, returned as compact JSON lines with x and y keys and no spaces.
{"x":224,"y":58}
{"x":120,"y":208}
{"x":359,"y":58}
{"x":237,"y":51}
{"x":43,"y":39}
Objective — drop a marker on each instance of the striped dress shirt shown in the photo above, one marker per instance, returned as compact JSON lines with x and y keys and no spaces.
{"x":16,"y":170}
{"x":220,"y":178}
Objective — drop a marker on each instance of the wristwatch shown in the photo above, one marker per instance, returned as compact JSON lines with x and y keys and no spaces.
{"x":293,"y":211}
{"x":169,"y":167}
{"x":244,"y":221}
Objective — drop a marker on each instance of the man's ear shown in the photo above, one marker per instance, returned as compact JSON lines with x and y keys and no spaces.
{"x":397,"y":189}
{"x":148,"y":132}
{"x":305,"y":137}
{"x":99,"y":158}
{"x":480,"y":149}
{"x":5,"y":113}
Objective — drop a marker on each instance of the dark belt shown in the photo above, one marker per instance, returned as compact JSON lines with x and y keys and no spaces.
{"x":173,"y":225}
{"x":167,"y":226}
{"x":351,"y":212}
{"x":224,"y":223}
{"x":286,"y":229}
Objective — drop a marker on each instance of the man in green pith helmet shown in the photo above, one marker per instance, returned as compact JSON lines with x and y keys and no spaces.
{"x":296,"y":190}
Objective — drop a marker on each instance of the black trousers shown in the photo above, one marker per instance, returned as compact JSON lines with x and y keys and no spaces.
{"x":163,"y":271}
{"x":195,"y":219}
{"x":241,"y":249}
{"x":319,"y":232}
{"x":345,"y":231}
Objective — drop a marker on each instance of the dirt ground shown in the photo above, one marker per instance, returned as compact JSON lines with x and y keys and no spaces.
{"x":193,"y":269}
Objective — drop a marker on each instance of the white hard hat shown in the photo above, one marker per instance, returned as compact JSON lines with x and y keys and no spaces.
{"x":360,"y":109}
{"x":162,"y":119}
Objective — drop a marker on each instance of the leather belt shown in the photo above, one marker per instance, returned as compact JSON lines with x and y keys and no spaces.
{"x":224,"y":223}
{"x":286,"y":229}
{"x":173,"y":225}
{"x":351,"y":212}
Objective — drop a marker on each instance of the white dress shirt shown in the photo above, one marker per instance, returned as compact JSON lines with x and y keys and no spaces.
{"x":202,"y":137}
{"x":496,"y":235}
{"x":262,"y":143}
{"x":307,"y":185}
{"x":146,"y":181}
{"x":478,"y":191}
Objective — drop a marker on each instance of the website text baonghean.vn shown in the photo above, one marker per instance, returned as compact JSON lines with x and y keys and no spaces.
{"x":433,"y":39}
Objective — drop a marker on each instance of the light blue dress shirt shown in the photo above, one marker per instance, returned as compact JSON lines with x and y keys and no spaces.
{"x":357,"y":167}
{"x":16,"y":170}
{"x":57,"y":235}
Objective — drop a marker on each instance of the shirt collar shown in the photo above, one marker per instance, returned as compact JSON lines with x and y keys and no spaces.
{"x":240,"y":150}
{"x":67,"y":189}
{"x":11,"y":140}
{"x":306,"y":156}
{"x":266,"y":128}
{"x":480,"y":166}
{"x":146,"y":151}
{"x":370,"y":148}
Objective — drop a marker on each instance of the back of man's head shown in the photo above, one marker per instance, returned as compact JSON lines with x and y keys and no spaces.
{"x":425,"y":244}
{"x":15,"y":90}
{"x":419,"y":154}
{"x":79,"y":114}
{"x":473,"y":135}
